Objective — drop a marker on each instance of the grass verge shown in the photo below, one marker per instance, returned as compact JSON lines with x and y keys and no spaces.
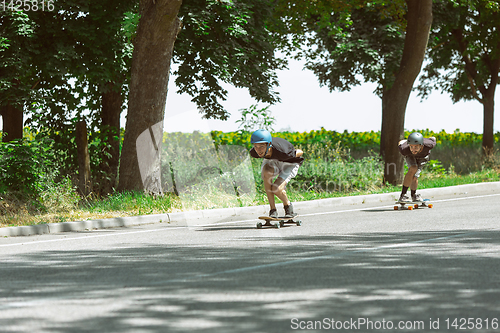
{"x":62,"y":206}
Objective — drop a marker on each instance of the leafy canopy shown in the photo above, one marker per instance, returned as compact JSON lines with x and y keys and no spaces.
{"x":464,"y":54}
{"x":226,"y":42}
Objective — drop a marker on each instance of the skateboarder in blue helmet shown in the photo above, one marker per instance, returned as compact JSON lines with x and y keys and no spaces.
{"x":416,"y":150}
{"x":281,"y":160}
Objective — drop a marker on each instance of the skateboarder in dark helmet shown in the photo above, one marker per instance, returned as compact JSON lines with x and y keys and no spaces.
{"x":416,"y":150}
{"x":280,"y":159}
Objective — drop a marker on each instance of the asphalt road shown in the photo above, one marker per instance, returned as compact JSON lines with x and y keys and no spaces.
{"x":352,"y":268}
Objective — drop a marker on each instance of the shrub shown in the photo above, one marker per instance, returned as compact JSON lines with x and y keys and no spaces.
{"x":26,"y":166}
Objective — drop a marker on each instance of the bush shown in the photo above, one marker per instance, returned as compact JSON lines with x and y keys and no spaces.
{"x":26,"y":166}
{"x":339,"y":174}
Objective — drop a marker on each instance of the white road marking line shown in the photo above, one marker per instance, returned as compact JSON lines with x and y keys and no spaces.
{"x":220,"y":223}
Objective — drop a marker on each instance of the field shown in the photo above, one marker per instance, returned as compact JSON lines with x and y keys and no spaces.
{"x":214,"y":170}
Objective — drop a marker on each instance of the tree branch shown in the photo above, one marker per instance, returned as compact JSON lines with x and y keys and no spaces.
{"x":470,"y":67}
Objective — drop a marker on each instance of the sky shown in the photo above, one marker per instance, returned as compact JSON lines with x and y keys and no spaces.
{"x":306,"y":106}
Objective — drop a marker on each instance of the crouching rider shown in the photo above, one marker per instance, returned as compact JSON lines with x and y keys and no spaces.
{"x":281,"y":160}
{"x":416,"y":151}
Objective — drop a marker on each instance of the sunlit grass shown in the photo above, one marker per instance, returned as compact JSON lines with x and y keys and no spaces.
{"x":339,"y":176}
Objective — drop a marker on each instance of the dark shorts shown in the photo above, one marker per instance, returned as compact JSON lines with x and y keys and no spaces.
{"x":418,"y":162}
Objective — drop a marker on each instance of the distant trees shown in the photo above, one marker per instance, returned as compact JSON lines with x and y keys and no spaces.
{"x":66,"y":65}
{"x":374,"y":43}
{"x":88,"y":59}
{"x":464,"y":56}
{"x":60,"y":67}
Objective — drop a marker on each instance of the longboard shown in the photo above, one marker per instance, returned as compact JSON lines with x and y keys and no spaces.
{"x":414,"y":204}
{"x":279,"y":221}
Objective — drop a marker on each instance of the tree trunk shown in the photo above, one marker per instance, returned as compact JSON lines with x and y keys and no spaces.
{"x":489,"y":107}
{"x":13,"y":124}
{"x":393,"y":117}
{"x":82,"y":146}
{"x":419,"y":19}
{"x":111,"y":110}
{"x":154,"y":43}
{"x":488,"y":121}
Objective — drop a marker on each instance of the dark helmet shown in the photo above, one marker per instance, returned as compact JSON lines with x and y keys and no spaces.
{"x":415,"y":138}
{"x":261,"y":136}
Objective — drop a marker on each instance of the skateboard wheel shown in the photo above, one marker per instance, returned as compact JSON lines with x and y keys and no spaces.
{"x":415,"y":206}
{"x":298,"y":223}
{"x":282,"y":223}
{"x":410,"y":208}
{"x":259,"y":225}
{"x":396,"y":207}
{"x":430,"y":205}
{"x":278,"y":225}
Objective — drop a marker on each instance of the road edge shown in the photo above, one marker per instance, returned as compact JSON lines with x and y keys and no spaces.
{"x":51,"y":228}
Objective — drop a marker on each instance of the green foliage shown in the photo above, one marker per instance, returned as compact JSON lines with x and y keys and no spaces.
{"x":26,"y":166}
{"x":319,"y":143}
{"x":253,"y":119}
{"x":65,"y":155}
{"x":226,"y":42}
{"x":129,"y":26}
{"x":463,"y":46}
{"x":364,"y":45}
{"x":137,"y":203}
{"x":83,"y":50}
{"x":59,"y":64}
{"x":435,"y":167}
{"x":59,"y":196}
{"x":16,"y":49}
{"x":339,"y":173}
{"x":330,"y":169}
{"x":192,"y":165}
{"x":324,"y":140}
{"x":459,"y":151}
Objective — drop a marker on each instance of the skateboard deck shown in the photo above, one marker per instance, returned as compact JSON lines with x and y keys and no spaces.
{"x":278,"y":222}
{"x":413,"y":205}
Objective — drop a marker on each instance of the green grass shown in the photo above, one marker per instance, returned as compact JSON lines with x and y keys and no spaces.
{"x":137,"y":203}
{"x":337,"y":173}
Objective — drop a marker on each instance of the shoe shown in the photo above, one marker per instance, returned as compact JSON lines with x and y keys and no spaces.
{"x":417,"y":198}
{"x":273,"y":213}
{"x":289,"y":211}
{"x":404,"y":198}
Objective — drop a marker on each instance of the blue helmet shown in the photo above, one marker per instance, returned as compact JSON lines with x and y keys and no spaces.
{"x":261,"y":136}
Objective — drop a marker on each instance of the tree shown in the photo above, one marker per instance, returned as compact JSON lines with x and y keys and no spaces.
{"x":75,"y":67}
{"x":226,"y":41}
{"x":363,"y":45}
{"x":464,"y":57}
{"x":15,"y":52}
{"x":104,"y":41}
{"x":153,"y":47}
{"x":221,"y":41}
{"x":419,"y":19}
{"x":65,"y":64}
{"x":368,"y":41}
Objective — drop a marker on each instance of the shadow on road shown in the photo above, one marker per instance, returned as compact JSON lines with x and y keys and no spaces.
{"x":259,"y":286}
